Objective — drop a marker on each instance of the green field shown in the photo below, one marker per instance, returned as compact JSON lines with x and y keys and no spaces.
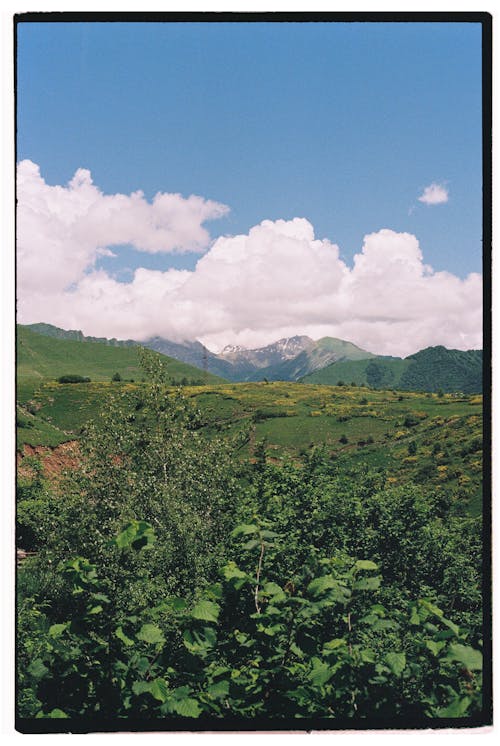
{"x":354,"y":424}
{"x":41,"y":358}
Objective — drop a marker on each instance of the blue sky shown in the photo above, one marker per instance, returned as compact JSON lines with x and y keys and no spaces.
{"x":344,"y":125}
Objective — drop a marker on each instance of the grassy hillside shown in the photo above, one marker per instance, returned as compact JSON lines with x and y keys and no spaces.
{"x":450,"y":370}
{"x":40,"y":357}
{"x":387,"y":372}
{"x":418,"y":437}
{"x":432,"y":369}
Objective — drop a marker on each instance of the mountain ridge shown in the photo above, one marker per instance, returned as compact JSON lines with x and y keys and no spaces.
{"x":299,"y":358}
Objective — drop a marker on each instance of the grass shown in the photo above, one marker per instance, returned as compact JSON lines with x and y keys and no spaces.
{"x":357,"y":425}
{"x":41,"y":358}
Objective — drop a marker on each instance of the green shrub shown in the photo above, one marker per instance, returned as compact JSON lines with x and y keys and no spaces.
{"x":73,"y":378}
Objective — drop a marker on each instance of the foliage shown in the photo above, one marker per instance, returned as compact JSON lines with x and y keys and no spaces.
{"x":431,"y":369}
{"x":341,"y":593}
{"x":73,"y":378}
{"x":147,"y":458}
{"x":320,"y":646}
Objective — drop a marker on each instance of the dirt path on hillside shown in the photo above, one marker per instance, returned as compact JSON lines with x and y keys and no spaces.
{"x":54,"y":460}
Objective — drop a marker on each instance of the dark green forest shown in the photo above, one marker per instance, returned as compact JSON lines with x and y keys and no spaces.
{"x":171,"y":579}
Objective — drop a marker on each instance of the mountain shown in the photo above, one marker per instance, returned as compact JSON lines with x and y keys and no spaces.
{"x":431,"y":369}
{"x":439,"y":368}
{"x":193,"y":353}
{"x":41,"y":355}
{"x":290,"y":358}
{"x":48,"y":330}
{"x":328,"y":360}
{"x":265,"y":362}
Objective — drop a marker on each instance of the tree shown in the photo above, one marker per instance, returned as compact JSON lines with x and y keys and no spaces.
{"x":116,"y":377}
{"x":147,"y":457}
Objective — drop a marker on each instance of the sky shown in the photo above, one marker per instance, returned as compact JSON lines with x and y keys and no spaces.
{"x":237,"y":183}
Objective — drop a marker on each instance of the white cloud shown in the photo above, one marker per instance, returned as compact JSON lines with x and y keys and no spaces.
{"x":277,"y":280}
{"x":434,"y":194}
{"x":63,"y":229}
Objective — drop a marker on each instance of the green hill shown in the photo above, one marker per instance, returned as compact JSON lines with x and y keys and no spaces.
{"x":450,"y":370}
{"x":432,"y":369}
{"x":48,"y":330}
{"x":41,"y":357}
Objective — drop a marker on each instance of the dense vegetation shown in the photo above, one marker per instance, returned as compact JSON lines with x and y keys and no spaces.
{"x":432,"y":369}
{"x":183,"y":571}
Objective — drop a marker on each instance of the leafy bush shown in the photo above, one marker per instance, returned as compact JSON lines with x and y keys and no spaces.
{"x":73,"y":378}
{"x":319,"y":645}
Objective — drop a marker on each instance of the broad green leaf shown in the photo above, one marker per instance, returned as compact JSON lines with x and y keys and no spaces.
{"x":200,"y":643}
{"x":57,"y":713}
{"x":320,"y":673}
{"x":219,"y":670}
{"x":414,"y":619}
{"x":159,"y":690}
{"x":244,"y":529}
{"x":231,"y":570}
{"x":319,"y":585}
{"x":188,"y":708}
{"x":127,"y":536}
{"x":365,"y":565}
{"x":141,"y":687}
{"x":251,"y":544}
{"x":95,"y":609}
{"x":219,"y":689}
{"x":367,"y":584}
{"x":100,"y":597}
{"x":334,"y":644}
{"x":143,"y":664}
{"x":274,"y":591}
{"x":367,"y":655}
{"x":136,"y":534}
{"x":151,"y":633}
{"x":456,"y":709}
{"x":451,"y":625}
{"x":396,"y":662}
{"x":215,"y":590}
{"x":123,"y":637}
{"x":382,"y":624}
{"x":207,"y":611}
{"x":56,"y":630}
{"x":37,"y":668}
{"x":431,"y":607}
{"x":434,"y":647}
{"x":175,"y":602}
{"x":470,"y":658}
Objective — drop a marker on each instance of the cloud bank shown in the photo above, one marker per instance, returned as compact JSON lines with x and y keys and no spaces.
{"x":434,"y":194}
{"x":275,"y":281}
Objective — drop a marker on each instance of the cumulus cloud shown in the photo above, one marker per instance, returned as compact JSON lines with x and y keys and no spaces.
{"x":62,"y":230}
{"x":434,"y":194}
{"x":277,"y":280}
